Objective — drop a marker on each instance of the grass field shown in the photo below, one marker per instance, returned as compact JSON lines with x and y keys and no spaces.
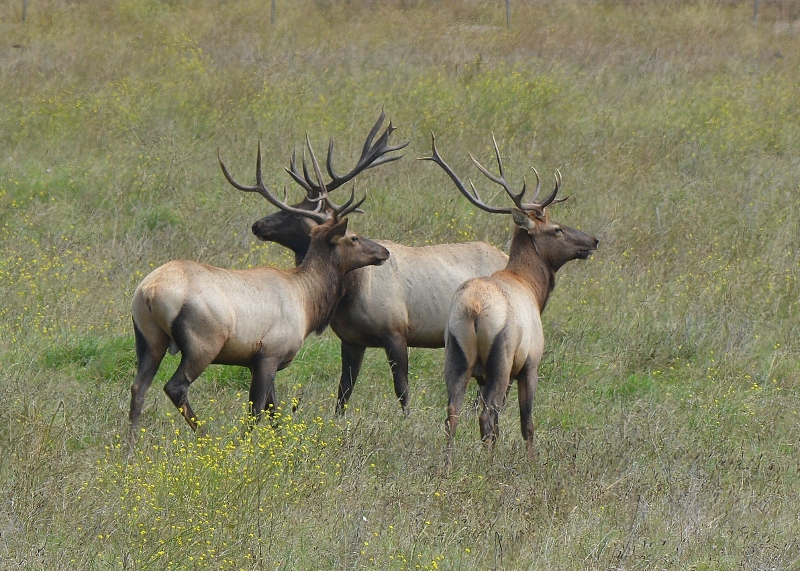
{"x":667,"y":411}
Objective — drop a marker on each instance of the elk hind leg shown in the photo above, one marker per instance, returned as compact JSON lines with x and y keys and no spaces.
{"x":457,"y":372}
{"x":199,"y":343}
{"x":494,"y":391}
{"x":352,"y":357}
{"x":192,"y":365}
{"x":149,"y":354}
{"x":493,"y":400}
{"x":527,"y":381}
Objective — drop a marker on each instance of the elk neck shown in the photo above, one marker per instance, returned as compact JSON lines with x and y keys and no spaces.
{"x":321,"y":282}
{"x":526,"y":262}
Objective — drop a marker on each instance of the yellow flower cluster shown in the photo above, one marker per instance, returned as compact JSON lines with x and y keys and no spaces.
{"x":183,"y":497}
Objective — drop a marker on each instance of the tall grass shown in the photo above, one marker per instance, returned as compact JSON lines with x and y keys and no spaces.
{"x":667,"y":415}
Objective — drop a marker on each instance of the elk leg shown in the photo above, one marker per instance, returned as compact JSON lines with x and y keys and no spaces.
{"x":262,"y":387}
{"x":397,"y":352}
{"x":352,"y":357}
{"x":479,"y":397}
{"x":527,"y":381}
{"x":489,"y":423}
{"x":177,"y":388}
{"x":494,"y":397}
{"x":457,"y":372}
{"x":148,"y":359}
{"x":498,"y":378}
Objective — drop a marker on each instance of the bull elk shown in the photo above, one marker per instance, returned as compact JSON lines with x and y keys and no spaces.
{"x":494,"y":330}
{"x":401,"y":304}
{"x":255,"y":318}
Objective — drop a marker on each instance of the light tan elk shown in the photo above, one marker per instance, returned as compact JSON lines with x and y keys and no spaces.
{"x":256,"y":318}
{"x":494,"y":330}
{"x":401,"y":304}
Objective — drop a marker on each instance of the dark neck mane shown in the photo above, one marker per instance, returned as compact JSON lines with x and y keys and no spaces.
{"x":527,"y":263}
{"x":322,"y":284}
{"x":299,"y":247}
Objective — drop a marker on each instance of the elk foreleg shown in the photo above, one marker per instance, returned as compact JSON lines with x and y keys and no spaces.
{"x":397,"y":352}
{"x":527,"y":381}
{"x":352,"y":357}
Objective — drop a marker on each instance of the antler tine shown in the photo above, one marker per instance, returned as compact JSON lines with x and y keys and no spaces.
{"x":497,"y":157}
{"x":551,"y":198}
{"x":305,"y":168}
{"x":323,"y":190}
{"x":372,"y":155}
{"x":538,"y":185}
{"x":501,"y":180}
{"x":349,"y":206}
{"x":238,"y":185}
{"x":376,"y":154}
{"x":312,"y":192}
{"x":471,"y":196}
{"x":338,"y":211}
{"x":367,"y":150}
{"x":317,"y":215}
{"x":559,"y":182}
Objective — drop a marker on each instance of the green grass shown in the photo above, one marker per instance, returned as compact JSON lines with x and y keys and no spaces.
{"x":667,"y":411}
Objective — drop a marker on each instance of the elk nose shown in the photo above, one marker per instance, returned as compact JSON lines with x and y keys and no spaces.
{"x":257,"y":231}
{"x":596,"y":242}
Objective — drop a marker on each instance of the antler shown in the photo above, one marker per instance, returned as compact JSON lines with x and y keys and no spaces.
{"x":338,"y":211}
{"x":317,"y":215}
{"x":471,"y":196}
{"x":372,"y":155}
{"x":476,"y":200}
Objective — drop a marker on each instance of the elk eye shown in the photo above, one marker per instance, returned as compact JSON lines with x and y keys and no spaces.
{"x":559,"y":230}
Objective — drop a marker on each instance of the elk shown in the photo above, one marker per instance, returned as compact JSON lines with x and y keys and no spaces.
{"x":401,"y":304}
{"x":494,"y":329}
{"x":256,"y":318}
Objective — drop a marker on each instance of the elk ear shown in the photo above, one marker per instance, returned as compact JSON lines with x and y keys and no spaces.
{"x":337,"y":230}
{"x":522,"y":219}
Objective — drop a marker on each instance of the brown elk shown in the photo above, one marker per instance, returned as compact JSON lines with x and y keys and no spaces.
{"x":256,"y":318}
{"x":494,"y":330}
{"x":401,"y":304}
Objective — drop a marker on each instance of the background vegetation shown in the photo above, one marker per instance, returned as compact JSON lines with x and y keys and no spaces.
{"x":667,"y":413}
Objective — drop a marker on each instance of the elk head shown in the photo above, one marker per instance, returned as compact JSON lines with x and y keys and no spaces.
{"x":554,"y":243}
{"x":287,"y":228}
{"x":325,"y":222}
